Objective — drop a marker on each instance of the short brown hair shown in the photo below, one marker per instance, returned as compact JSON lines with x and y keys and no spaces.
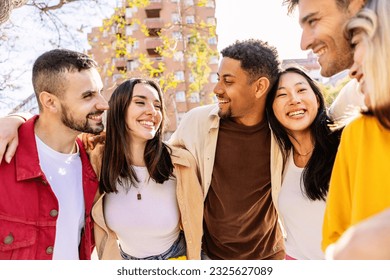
{"x":50,"y":67}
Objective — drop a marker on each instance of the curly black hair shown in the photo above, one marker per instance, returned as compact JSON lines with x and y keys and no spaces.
{"x":258,"y":58}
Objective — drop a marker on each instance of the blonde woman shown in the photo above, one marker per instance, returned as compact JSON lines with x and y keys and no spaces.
{"x":360,"y":182}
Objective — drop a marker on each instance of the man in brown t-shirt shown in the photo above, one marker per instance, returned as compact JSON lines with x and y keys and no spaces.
{"x":231,"y":144}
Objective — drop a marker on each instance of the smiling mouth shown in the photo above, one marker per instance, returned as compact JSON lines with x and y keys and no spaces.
{"x":320,"y":51}
{"x":149,"y":124}
{"x":223,"y":101}
{"x":97,"y":117}
{"x":296,"y":113}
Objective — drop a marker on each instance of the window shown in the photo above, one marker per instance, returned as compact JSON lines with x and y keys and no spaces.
{"x":180,"y":96}
{"x":210,"y":4}
{"x":177,"y":35}
{"x":175,"y":18}
{"x":213,"y":59}
{"x":190,"y":19}
{"x":189,"y":2}
{"x":192,"y":58}
{"x":129,"y":12}
{"x":116,"y":77}
{"x":129,"y":30}
{"x":212,"y":41}
{"x":211,"y":20}
{"x":191,"y":78}
{"x":132,"y":47}
{"x":179,"y":75}
{"x":178,"y":56}
{"x":214,"y":78}
{"x":132,"y":65}
{"x":194,"y":97}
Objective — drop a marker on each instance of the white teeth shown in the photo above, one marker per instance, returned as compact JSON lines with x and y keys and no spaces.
{"x":148,"y":123}
{"x":320,"y":52}
{"x":295,"y":113}
{"x":95,"y":117}
{"x":222,"y":101}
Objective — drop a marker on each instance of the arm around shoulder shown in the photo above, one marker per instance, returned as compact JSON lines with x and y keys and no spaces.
{"x":9,"y":139}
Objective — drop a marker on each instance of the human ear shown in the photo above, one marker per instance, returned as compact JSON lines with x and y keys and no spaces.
{"x":48,"y":101}
{"x":262,"y":86}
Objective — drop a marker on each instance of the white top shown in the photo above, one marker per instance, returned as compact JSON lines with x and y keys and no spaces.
{"x":302,"y":217}
{"x":145,"y":227}
{"x":348,"y":103}
{"x":64,"y":174}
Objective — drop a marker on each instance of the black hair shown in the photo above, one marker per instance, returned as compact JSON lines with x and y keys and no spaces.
{"x":317,"y":172}
{"x":257,"y":58}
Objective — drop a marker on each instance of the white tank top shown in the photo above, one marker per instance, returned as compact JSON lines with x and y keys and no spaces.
{"x":64,"y":174}
{"x":302,"y":217}
{"x":147,"y":226}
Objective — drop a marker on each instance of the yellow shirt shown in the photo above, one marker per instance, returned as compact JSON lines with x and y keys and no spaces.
{"x":360,"y":182}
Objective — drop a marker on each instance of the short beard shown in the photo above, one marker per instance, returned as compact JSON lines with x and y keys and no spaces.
{"x":80,"y":126}
{"x":226,"y":115}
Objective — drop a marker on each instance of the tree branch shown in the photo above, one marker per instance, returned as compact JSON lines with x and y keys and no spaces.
{"x":46,"y":8}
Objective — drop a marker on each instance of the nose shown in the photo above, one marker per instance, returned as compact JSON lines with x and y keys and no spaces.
{"x":218,"y":90}
{"x":151,"y":110}
{"x":102,"y":103}
{"x":355,"y":72}
{"x":295,"y":99}
{"x":306,"y":39}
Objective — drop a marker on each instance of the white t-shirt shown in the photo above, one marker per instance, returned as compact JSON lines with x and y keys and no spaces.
{"x":148,"y":226}
{"x":348,"y":103}
{"x":302,"y":217}
{"x":64,"y":174}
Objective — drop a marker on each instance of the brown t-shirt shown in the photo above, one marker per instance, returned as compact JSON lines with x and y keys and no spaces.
{"x":240,"y":220}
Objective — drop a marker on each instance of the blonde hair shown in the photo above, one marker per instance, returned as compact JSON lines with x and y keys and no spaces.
{"x":373,"y":23}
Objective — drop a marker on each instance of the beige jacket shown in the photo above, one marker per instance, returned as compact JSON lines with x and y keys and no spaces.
{"x":203,"y":124}
{"x":190,"y":201}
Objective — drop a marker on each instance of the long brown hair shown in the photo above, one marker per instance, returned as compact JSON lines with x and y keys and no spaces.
{"x":117,"y":163}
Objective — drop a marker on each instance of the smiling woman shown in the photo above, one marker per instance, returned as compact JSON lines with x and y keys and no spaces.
{"x":297,"y":116}
{"x":150,"y":196}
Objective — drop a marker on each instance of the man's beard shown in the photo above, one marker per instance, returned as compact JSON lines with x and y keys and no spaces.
{"x":80,"y":126}
{"x":225,"y":115}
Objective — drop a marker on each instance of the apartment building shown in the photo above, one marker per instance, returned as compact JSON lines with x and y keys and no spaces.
{"x":164,"y":40}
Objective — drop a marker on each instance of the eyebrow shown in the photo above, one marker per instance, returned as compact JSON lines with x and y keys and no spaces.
{"x":306,"y":18}
{"x":145,"y":98}
{"x":226,"y":75}
{"x":297,"y":84}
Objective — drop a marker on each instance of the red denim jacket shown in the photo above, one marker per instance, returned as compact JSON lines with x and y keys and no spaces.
{"x":29,"y":208}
